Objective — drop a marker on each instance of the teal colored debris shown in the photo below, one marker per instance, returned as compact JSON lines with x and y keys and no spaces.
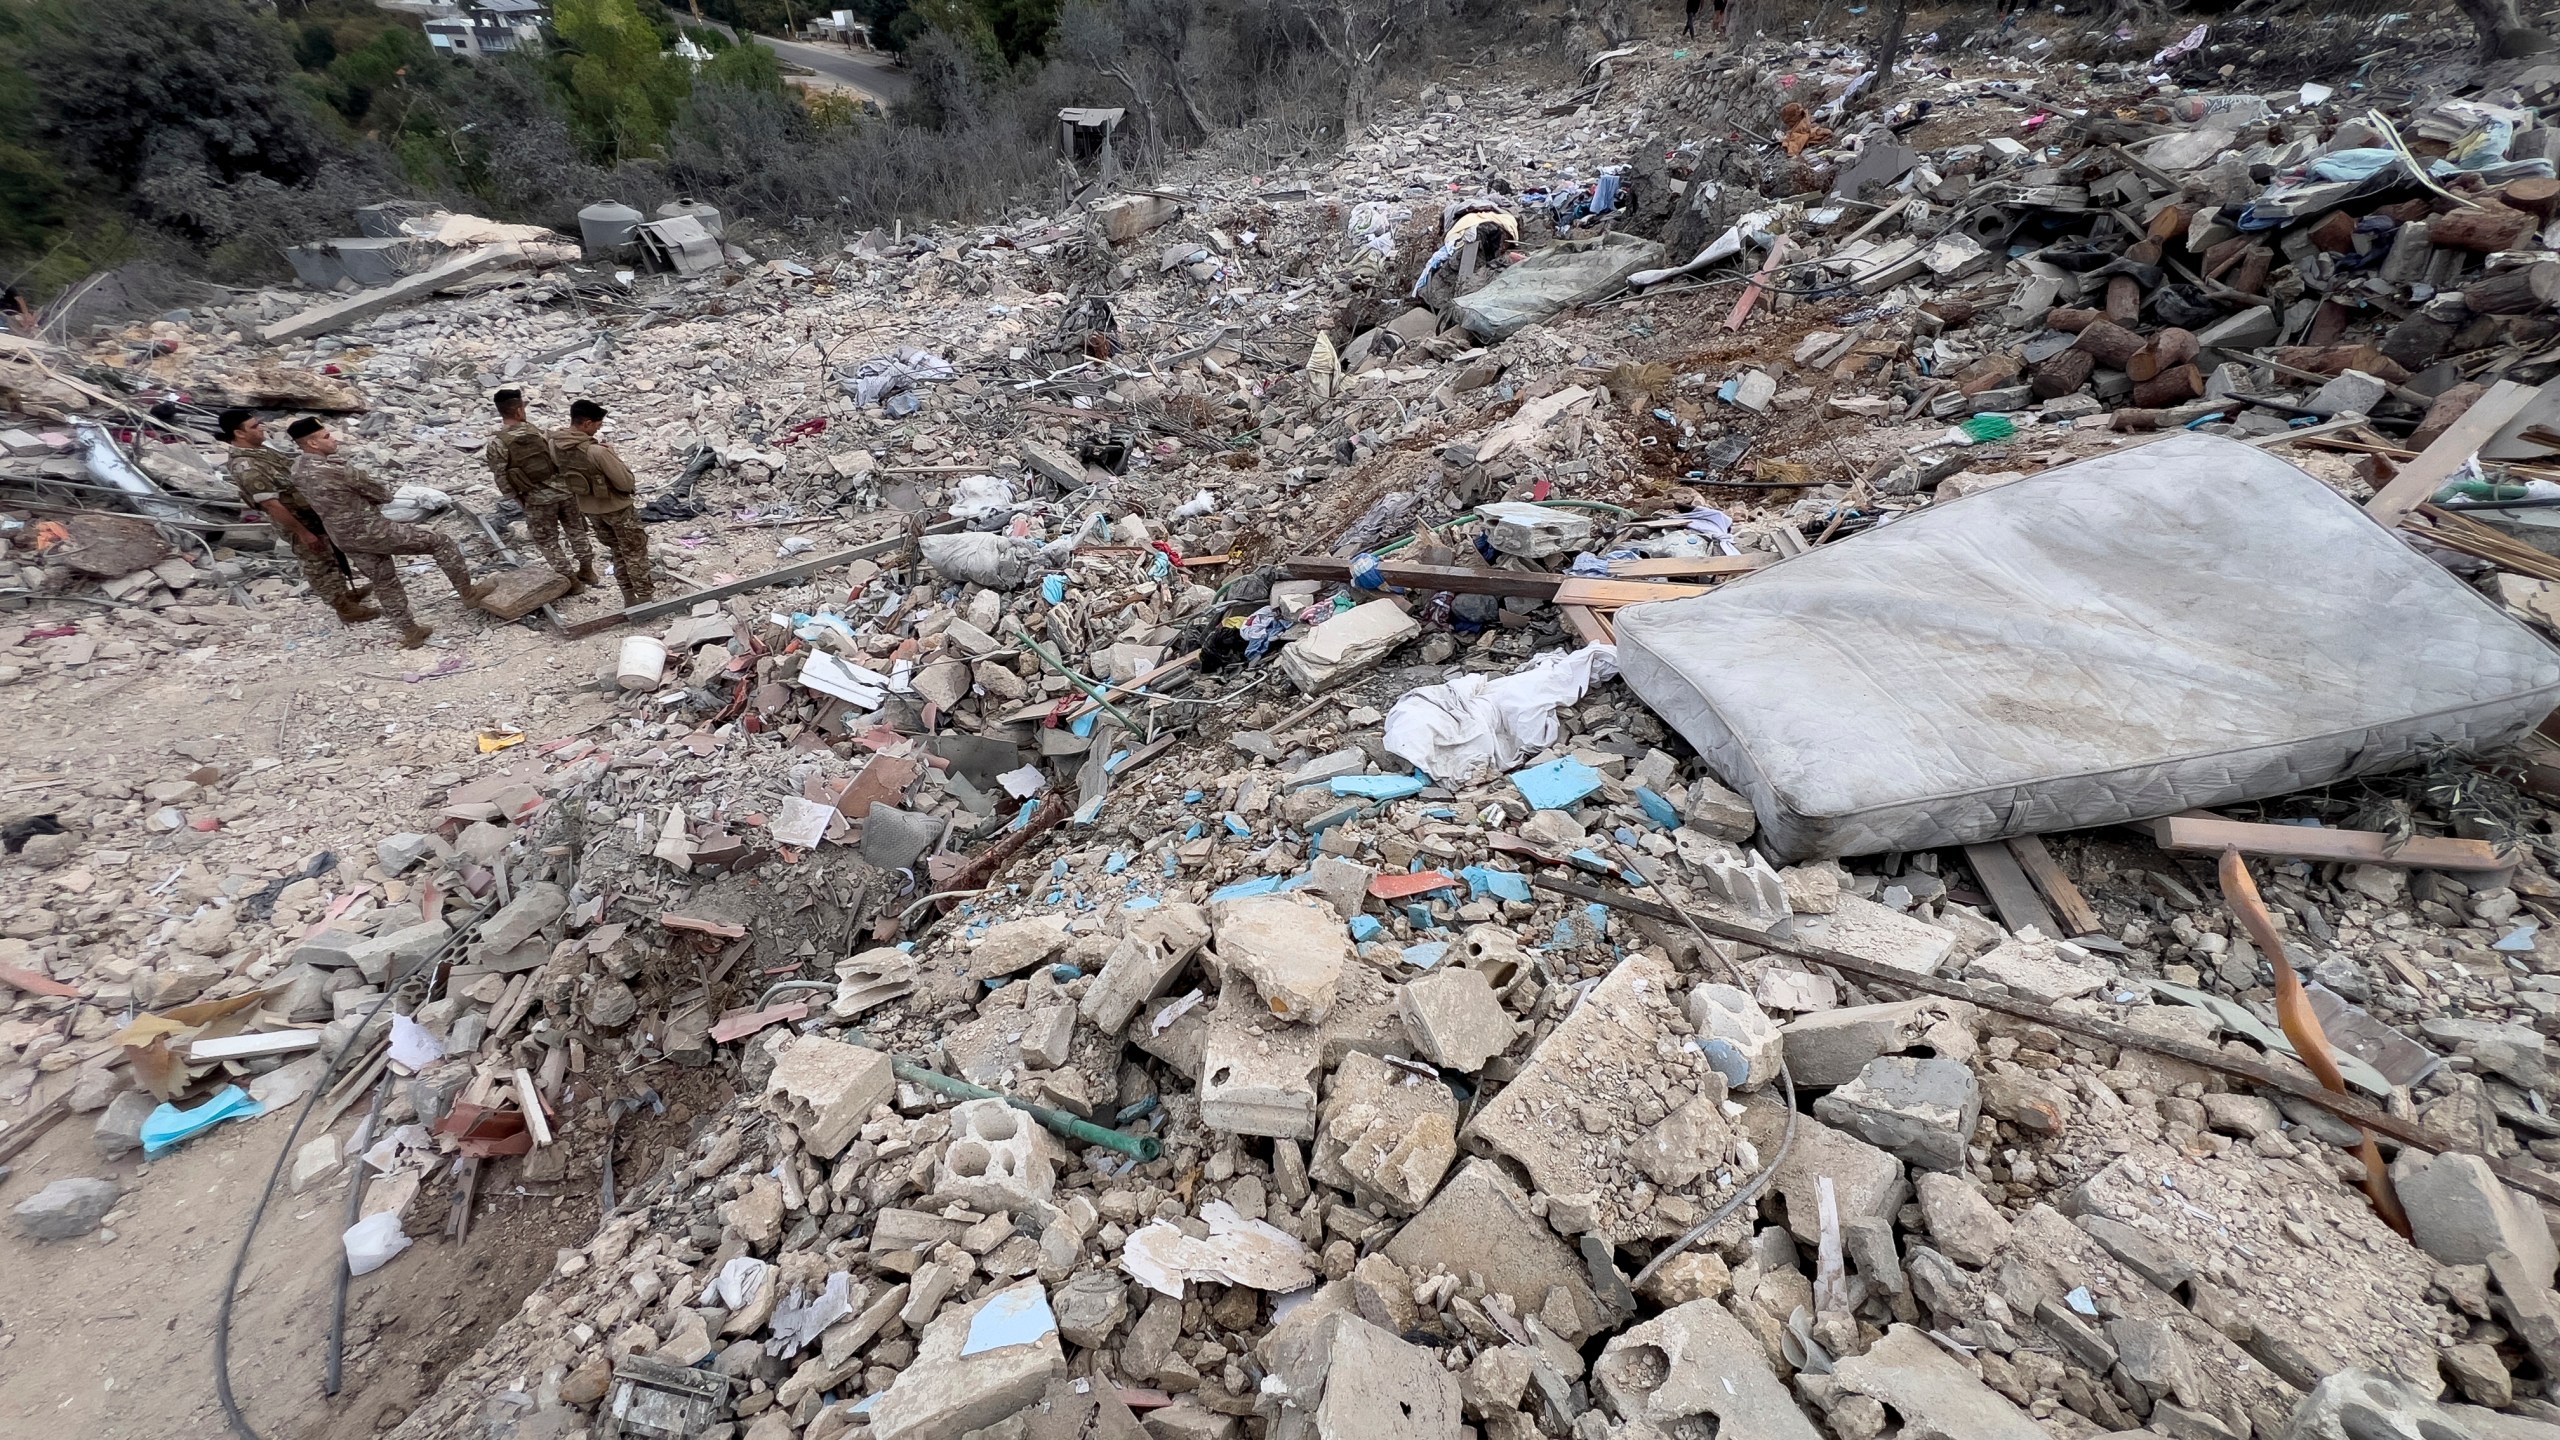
{"x":1084,"y":727}
{"x":1246,"y":889}
{"x":1418,"y":915}
{"x":1236,"y":826}
{"x":1426,"y":954}
{"x":1483,"y":880}
{"x":1983,"y":428}
{"x":168,"y":1126}
{"x":1140,"y":902}
{"x":1658,"y":810}
{"x":1053,"y":589}
{"x":1556,"y":785}
{"x":1118,"y":862}
{"x":1589,"y":860}
{"x":1195,"y":832}
{"x":1118,"y":757}
{"x":1022,"y":817}
{"x":1378,"y":787}
{"x":1058,"y":868}
{"x":1363,"y":927}
{"x":1331,"y":818}
{"x":1192,"y":797}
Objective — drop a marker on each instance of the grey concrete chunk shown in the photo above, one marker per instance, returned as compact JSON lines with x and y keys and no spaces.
{"x":1921,"y":1110}
{"x":1830,"y":1047}
{"x":1292,"y":947}
{"x":975,"y":1365}
{"x":523,"y":918}
{"x":2461,"y":1213}
{"x":1963,"y":1225}
{"x":1867,"y":1183}
{"x":1346,"y":1379}
{"x":1454,"y":1019}
{"x":1480,"y":1225}
{"x":1696,"y":1359}
{"x":1937,"y":1398}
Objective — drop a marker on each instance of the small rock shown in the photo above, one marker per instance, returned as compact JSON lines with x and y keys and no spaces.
{"x":66,"y":1209}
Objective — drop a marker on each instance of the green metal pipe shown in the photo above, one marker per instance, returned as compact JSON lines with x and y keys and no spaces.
{"x":1137,"y":1147}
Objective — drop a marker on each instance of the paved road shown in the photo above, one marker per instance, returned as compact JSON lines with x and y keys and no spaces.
{"x":870,"y":74}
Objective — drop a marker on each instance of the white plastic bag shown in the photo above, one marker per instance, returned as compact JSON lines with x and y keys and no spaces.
{"x":372,"y":1241}
{"x":413,"y":503}
{"x":1470,"y":727}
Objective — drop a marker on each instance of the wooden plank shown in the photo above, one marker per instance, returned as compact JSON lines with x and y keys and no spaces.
{"x":2212,"y":834}
{"x":35,"y":984}
{"x":2078,"y":916}
{"x":1610,"y":594}
{"x":2418,"y":480}
{"x":1456,"y":579}
{"x":1677,"y":569}
{"x":2012,"y":894}
{"x":1590,"y":625}
{"x":800,"y":570}
{"x":1761,"y":282}
{"x":531,"y":1100}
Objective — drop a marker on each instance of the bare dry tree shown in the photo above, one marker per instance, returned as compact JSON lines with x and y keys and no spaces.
{"x":1355,"y":35}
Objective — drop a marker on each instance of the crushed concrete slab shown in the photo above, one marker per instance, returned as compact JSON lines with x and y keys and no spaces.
{"x":1292,"y":947}
{"x":1696,"y":1359}
{"x":1346,"y":1379}
{"x":1480,"y":1226}
{"x":1454,"y":1018}
{"x":1387,"y":1134}
{"x":828,"y":1089}
{"x":1937,"y":1398}
{"x":975,"y":1365}
{"x":1830,"y":1047}
{"x":1920,"y":1110}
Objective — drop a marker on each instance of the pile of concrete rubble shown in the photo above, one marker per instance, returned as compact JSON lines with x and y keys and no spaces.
{"x":1127,"y":1039}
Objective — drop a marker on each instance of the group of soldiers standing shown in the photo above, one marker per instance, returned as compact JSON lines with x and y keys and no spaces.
{"x":568,"y":482}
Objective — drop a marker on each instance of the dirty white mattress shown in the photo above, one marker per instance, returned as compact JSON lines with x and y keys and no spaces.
{"x":2191,"y":622}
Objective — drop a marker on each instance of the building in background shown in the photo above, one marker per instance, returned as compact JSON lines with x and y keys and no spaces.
{"x":487,"y":27}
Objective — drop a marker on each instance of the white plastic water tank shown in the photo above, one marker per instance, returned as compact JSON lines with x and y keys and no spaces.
{"x":702,"y":210}
{"x":607,"y":225}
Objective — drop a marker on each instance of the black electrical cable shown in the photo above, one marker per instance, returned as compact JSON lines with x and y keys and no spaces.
{"x":337,"y":1360}
{"x":231,"y":1412}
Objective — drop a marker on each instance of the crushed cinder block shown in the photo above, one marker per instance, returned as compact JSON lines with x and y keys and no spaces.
{"x":1454,"y":1018}
{"x":2047,"y":971}
{"x":1738,"y":1038}
{"x":827,"y":1089}
{"x":1962,"y":1225}
{"x":998,"y":1158}
{"x":1480,"y":1226}
{"x":1292,"y":947}
{"x":1920,"y":1110}
{"x":1387,"y":1135}
{"x":1016,"y":946}
{"x":1693,"y":1360}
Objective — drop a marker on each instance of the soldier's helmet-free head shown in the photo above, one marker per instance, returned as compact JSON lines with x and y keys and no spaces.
{"x":586,"y":415}
{"x":510,"y":403}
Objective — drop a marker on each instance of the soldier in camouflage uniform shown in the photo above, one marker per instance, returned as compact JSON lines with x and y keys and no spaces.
{"x":350,"y":505}
{"x":605,"y":490}
{"x":265,"y":478}
{"x":528,"y":472}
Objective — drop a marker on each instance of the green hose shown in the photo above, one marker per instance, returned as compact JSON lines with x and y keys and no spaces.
{"x":1137,"y":1147}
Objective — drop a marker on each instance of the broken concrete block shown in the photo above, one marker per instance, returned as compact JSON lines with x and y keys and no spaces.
{"x":1937,"y":1398}
{"x":1480,"y":1226}
{"x":382,"y":956}
{"x":2169,"y":1272}
{"x":1612,"y":1068}
{"x":1344,"y":884}
{"x":827,"y":1089}
{"x":400,"y":853}
{"x":1048,"y":1037}
{"x":1867,"y":931}
{"x":1830,"y":1047}
{"x":315,"y":1161}
{"x":1694,"y":1360}
{"x":2461,"y":1213}
{"x":1126,"y":217}
{"x":521,"y":919}
{"x":1964,"y":1226}
{"x":1717,"y":811}
{"x":975,"y":1365}
{"x":998,"y":1158}
{"x":1090,"y":1307}
{"x":1921,"y":1110}
{"x":1740,"y":1042}
{"x":1454,"y":1019}
{"x":2361,"y":1405}
{"x":1292,"y":947}
{"x":1016,"y":946}
{"x":1346,"y":1379}
{"x":1387,"y":1135}
{"x":1866,"y":1183}
{"x":1347,"y":645}
{"x":2048,"y":971}
{"x":1137,"y":971}
{"x":1258,"y":1075}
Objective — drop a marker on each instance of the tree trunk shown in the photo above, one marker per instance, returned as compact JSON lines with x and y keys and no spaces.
{"x":1887,"y":48}
{"x":2503,"y":34}
{"x":2480,"y":231}
{"x":2109,"y":344}
{"x":2519,"y":291}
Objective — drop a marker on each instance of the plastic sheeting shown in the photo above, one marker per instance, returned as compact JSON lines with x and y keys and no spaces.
{"x":1471,"y":727}
{"x":1551,"y":280}
{"x":2192,"y":622}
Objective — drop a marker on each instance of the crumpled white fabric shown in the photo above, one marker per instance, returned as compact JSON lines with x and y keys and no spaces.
{"x":1470,"y":727}
{"x":882,"y":376}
